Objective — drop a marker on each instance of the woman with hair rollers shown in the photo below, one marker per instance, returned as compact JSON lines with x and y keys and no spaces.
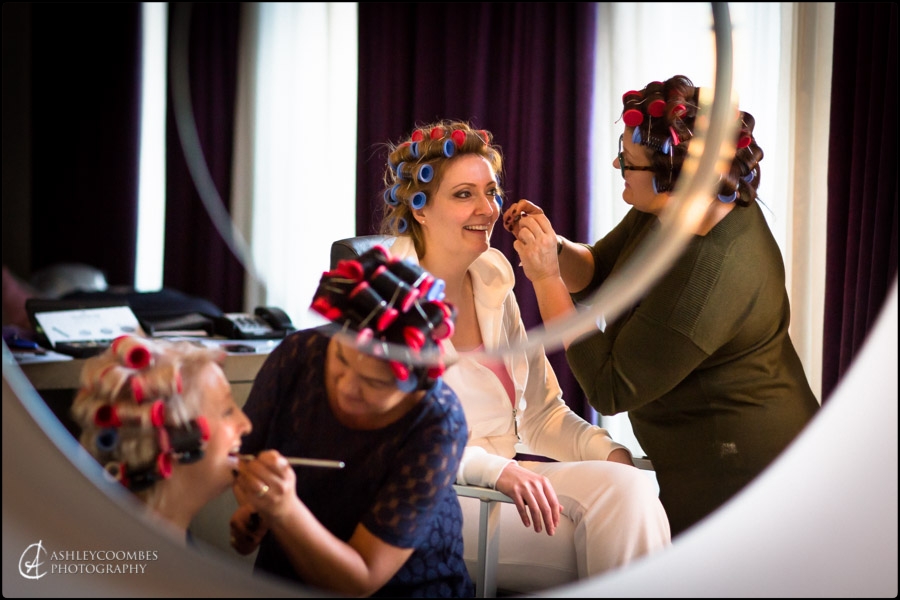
{"x":703,"y":362}
{"x":160,"y":417}
{"x":359,"y":391}
{"x":443,"y":198}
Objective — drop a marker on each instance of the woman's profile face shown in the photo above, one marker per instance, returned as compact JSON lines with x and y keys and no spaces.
{"x":461,"y":216}
{"x":362,"y":389}
{"x":638,"y":190}
{"x":227,"y":425}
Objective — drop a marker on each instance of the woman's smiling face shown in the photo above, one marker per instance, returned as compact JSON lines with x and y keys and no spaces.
{"x":461,"y":216}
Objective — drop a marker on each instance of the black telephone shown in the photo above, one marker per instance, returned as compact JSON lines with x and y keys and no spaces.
{"x":266,"y":322}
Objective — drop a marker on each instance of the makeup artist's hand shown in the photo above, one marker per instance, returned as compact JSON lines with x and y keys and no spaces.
{"x":268,"y":485}
{"x":514,"y":213}
{"x":536,"y":241}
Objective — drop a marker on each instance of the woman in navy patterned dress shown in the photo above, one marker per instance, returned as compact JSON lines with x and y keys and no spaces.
{"x":388,"y":523}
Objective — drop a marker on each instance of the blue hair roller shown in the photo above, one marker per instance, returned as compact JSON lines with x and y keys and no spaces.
{"x":409,"y":384}
{"x":499,"y":200}
{"x":418,"y":200}
{"x":636,"y":136}
{"x":401,"y":225}
{"x":399,"y":170}
{"x":106,"y":440}
{"x":749,"y":177}
{"x":727,"y":199}
{"x":414,"y":149}
{"x":390,"y":196}
{"x":436,"y":291}
{"x":653,"y":181}
{"x":449,"y":148}
{"x":666,"y":146}
{"x":426,"y":172}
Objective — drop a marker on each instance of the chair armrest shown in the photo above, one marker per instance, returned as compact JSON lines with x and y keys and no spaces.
{"x":482,"y":493}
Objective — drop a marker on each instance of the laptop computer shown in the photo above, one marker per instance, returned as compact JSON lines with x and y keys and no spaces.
{"x":80,"y":328}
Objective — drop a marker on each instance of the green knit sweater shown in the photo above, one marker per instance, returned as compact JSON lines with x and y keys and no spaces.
{"x":703,"y":362}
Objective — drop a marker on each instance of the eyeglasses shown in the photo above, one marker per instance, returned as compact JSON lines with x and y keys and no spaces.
{"x":622,"y":161}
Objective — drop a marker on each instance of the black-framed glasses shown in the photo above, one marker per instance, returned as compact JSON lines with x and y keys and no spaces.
{"x":622,"y":166}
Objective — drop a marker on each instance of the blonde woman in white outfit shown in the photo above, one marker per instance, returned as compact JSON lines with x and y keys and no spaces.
{"x":588,"y":511}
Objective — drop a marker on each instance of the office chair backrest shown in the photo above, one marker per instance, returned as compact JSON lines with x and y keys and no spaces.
{"x":351,"y":248}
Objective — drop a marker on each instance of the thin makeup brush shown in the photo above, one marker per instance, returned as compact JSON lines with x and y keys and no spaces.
{"x":304,"y":462}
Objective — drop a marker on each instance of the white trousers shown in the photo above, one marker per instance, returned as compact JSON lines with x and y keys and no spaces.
{"x":611,"y":516}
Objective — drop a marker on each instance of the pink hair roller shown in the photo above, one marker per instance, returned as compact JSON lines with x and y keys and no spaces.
{"x":133,"y":353}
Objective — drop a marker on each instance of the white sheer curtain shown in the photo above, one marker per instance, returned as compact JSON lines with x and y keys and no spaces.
{"x":782,"y":75}
{"x":295,"y":167}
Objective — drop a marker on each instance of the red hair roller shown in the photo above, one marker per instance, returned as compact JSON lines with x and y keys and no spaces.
{"x":164,"y":464}
{"x":458,"y":137}
{"x":437,"y":133}
{"x":417,"y":136}
{"x":415,"y":339}
{"x":107,"y":416}
{"x":657,"y":108}
{"x":204,"y":427}
{"x":158,"y":413}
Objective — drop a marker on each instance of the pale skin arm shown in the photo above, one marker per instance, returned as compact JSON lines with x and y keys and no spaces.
{"x":533,"y":495}
{"x":358,"y":567}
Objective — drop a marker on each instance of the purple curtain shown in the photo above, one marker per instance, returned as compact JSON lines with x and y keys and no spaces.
{"x":861,"y":258}
{"x":85,"y":119}
{"x":197,"y":260}
{"x":524,"y":71}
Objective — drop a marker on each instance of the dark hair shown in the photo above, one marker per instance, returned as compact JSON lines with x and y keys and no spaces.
{"x":662,"y":116}
{"x":393,"y":301}
{"x":416,"y":165}
{"x":139,"y":408}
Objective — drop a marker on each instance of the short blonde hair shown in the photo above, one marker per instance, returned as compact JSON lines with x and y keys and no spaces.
{"x":139,"y":407}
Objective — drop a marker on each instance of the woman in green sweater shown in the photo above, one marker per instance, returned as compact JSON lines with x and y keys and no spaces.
{"x":702,"y":362}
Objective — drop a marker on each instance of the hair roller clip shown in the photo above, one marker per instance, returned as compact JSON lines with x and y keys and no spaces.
{"x":436,"y":291}
{"x":674,"y":136}
{"x":418,"y":200}
{"x":387,"y":284}
{"x":438,"y":314}
{"x":107,"y":440}
{"x":727,"y":199}
{"x":164,"y":465}
{"x":436,"y":371}
{"x":158,"y":413}
{"x":459,"y":137}
{"x":365,"y":336}
{"x":412,"y":275}
{"x":137,"y":388}
{"x":131,"y":352}
{"x":350,"y":270}
{"x":636,"y":136}
{"x":437,"y":133}
{"x":106,"y":416}
{"x":449,"y":148}
{"x":324,"y":308}
{"x":414,"y":337}
{"x":372,"y":306}
{"x":203,"y":425}
{"x":406,"y":379}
